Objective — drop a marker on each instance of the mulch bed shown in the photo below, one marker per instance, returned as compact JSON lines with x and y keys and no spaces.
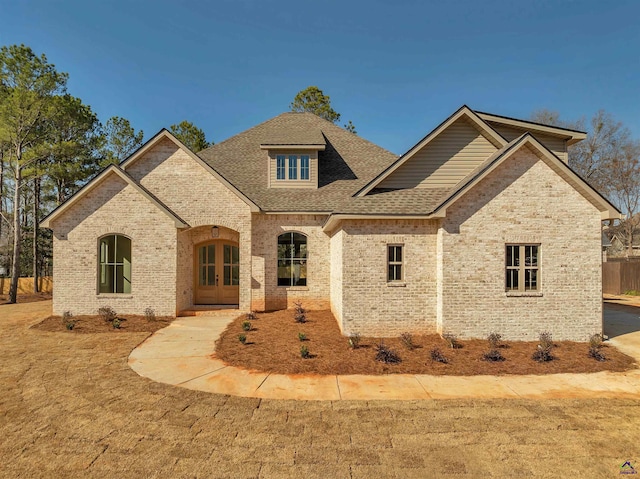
{"x":272,"y":345}
{"x":26,"y":298}
{"x":129,"y":323}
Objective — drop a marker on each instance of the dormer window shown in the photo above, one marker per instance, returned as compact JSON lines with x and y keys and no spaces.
{"x":293,"y":165}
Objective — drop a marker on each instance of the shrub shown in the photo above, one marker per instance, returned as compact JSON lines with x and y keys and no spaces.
{"x":116,"y":323}
{"x":407,"y":340}
{"x":302,"y":336}
{"x":68,"y":321}
{"x":246,"y":326}
{"x":354,"y":340}
{"x":386,"y":355}
{"x":149,"y":314}
{"x":595,"y":343}
{"x":300,"y":314}
{"x":251,"y":316}
{"x":242,"y":338}
{"x":493,"y":355}
{"x":494,"y":340}
{"x":543,"y":353}
{"x":107,"y":313}
{"x":437,"y":356}
{"x":304,"y":352}
{"x":452,"y":340}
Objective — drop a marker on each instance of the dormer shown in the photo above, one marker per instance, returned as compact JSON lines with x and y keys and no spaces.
{"x":294,"y":164}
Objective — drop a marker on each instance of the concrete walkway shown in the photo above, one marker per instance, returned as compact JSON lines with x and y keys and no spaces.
{"x":180,"y":355}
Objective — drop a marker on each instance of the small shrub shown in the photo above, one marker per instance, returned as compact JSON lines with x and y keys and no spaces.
{"x":304,"y":352}
{"x":437,"y":356}
{"x":302,"y":336}
{"x":116,"y":323}
{"x":452,"y":340}
{"x":246,"y":325}
{"x":68,"y":321}
{"x":300,"y":314}
{"x":242,"y":338}
{"x":543,"y":353}
{"x":149,"y":314}
{"x":354,"y":340}
{"x":494,"y":340}
{"x":386,"y":355}
{"x":632,"y":292}
{"x":493,"y":355}
{"x":595,"y":343}
{"x":251,"y":316}
{"x":407,"y":340}
{"x":107,"y":313}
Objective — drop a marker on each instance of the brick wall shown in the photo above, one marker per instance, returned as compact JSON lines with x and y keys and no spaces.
{"x":372,"y":306}
{"x":114,"y":207}
{"x":266,"y":294}
{"x":522,"y":201}
{"x":336,"y":278}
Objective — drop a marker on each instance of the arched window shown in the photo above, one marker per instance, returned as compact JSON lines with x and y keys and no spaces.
{"x":292,"y":259}
{"x":115,"y":264}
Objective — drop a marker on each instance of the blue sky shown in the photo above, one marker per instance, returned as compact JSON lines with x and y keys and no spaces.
{"x":395,"y":68}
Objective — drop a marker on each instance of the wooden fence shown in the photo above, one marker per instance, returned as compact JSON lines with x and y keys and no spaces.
{"x":25,"y":285}
{"x":620,"y":276}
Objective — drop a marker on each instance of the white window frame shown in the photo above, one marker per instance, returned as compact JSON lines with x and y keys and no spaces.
{"x":293,"y":164}
{"x":521,"y":267}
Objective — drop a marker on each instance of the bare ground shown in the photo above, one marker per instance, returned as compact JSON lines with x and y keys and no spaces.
{"x":95,"y":324}
{"x":273,"y":346}
{"x":71,"y":407}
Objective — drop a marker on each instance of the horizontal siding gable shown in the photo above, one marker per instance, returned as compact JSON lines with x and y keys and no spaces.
{"x":445,"y":160}
{"x":557,"y":145}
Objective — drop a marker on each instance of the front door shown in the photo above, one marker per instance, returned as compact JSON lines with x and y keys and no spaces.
{"x":217,"y":269}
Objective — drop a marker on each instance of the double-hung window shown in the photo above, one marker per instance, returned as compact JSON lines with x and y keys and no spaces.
{"x":304,"y":167}
{"x":115,"y":264}
{"x":293,"y":167}
{"x":394,"y":263}
{"x":280,"y":167}
{"x":522,"y":267}
{"x":292,"y":259}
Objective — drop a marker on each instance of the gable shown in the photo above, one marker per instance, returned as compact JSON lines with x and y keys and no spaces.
{"x":445,"y":160}
{"x":557,"y":145}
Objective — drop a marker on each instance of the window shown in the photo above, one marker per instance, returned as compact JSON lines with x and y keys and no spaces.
{"x":394,"y":263}
{"x":231,"y":265}
{"x":304,"y":167}
{"x":115,"y":264}
{"x":289,"y":168}
{"x":522,"y":268}
{"x":292,"y":259}
{"x":293,"y":167}
{"x":280,"y":167}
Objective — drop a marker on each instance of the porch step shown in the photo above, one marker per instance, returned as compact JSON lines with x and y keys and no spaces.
{"x":209,"y":309}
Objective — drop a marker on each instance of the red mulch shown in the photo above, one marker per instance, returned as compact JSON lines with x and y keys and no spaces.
{"x":129,"y":323}
{"x":273,"y":346}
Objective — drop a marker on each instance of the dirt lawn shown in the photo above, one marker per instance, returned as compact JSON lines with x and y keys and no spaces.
{"x":71,"y":407}
{"x":273,"y":345}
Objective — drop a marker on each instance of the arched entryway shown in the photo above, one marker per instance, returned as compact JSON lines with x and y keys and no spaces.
{"x":216,"y":272}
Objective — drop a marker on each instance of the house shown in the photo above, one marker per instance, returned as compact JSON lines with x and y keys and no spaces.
{"x":481,"y":226}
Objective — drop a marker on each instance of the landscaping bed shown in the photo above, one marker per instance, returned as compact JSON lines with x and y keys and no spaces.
{"x":272,"y":344}
{"x":128,"y":323}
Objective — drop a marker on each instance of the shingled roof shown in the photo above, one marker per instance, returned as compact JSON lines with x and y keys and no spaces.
{"x":346,"y":165}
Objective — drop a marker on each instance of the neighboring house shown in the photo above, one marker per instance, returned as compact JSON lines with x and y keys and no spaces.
{"x":618,"y":245}
{"x":479,"y":227}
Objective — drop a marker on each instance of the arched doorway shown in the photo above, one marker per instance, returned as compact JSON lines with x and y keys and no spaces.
{"x":217,"y":272}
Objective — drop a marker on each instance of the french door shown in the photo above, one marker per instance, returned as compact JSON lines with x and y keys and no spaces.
{"x":217,"y":273}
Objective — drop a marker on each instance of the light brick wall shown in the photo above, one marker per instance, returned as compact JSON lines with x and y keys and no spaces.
{"x":336,"y":277}
{"x":195,"y":195}
{"x":114,"y":207}
{"x":370,"y":305}
{"x":266,"y":293}
{"x":523,"y":201}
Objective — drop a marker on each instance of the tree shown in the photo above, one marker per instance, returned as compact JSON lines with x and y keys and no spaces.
{"x":313,"y":100}
{"x":192,"y":136}
{"x":624,"y":177}
{"x":120,"y":139}
{"x":350,"y":127}
{"x":27,"y":85}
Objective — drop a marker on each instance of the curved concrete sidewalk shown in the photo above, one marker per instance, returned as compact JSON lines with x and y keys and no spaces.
{"x":180,"y":354}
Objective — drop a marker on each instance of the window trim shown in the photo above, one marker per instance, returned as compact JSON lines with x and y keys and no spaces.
{"x":395,"y":263}
{"x":114,"y":264}
{"x":304,"y":287}
{"x":521,"y":269}
{"x":291,"y":168}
